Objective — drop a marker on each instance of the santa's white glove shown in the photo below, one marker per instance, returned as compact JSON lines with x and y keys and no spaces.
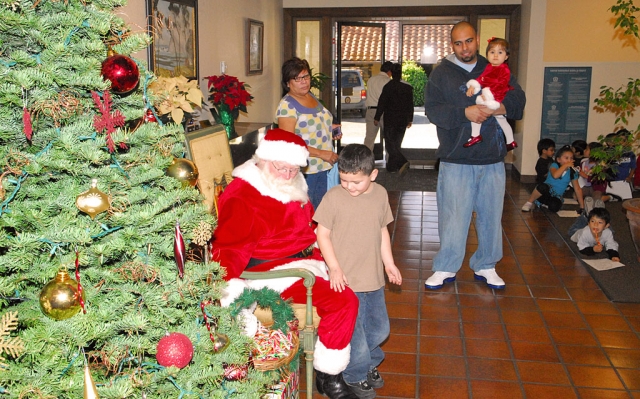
{"x":248,"y":322}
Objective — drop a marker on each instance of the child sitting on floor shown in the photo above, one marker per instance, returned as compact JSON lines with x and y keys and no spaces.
{"x":597,"y":237}
{"x":561,"y":173}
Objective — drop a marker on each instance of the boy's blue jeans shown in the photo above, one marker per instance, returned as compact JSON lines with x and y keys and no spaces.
{"x":372,"y":328}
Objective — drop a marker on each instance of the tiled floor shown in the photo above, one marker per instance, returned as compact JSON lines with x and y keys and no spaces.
{"x":551,"y":333}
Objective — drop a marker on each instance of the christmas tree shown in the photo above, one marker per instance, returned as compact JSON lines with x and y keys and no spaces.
{"x":62,"y":126}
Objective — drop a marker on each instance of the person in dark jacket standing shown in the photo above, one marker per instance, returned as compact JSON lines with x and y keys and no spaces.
{"x":470,"y":179}
{"x":396,"y":104}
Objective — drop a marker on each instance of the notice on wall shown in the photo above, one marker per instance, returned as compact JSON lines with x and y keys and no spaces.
{"x":565,"y":104}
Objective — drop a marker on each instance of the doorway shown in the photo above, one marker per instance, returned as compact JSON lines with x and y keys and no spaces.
{"x":355,"y":64}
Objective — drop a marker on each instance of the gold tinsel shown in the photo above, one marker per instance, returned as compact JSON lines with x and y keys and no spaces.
{"x":202,"y":233}
{"x":14,"y":346}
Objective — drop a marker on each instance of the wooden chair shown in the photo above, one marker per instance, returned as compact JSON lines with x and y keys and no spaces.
{"x":309,"y":327}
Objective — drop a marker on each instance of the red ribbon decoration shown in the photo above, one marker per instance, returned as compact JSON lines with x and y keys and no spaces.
{"x":178,"y":250}
{"x":80,"y":289}
{"x":491,"y":39}
{"x":26,"y":121}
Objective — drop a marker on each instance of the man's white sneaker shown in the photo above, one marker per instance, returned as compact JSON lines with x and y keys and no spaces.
{"x":438,"y":279}
{"x":490,"y":277}
{"x":527,"y":207}
{"x":598,"y":204}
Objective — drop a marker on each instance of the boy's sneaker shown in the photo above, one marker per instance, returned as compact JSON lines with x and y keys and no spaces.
{"x":588,"y":205}
{"x":527,"y":207}
{"x":375,"y":379}
{"x":598,"y":204}
{"x":362,"y":390}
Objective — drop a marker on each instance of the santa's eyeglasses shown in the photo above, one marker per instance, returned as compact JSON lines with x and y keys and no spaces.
{"x":283,"y":171}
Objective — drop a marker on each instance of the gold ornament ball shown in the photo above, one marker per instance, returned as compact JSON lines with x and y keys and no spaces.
{"x":59,"y":298}
{"x":183,"y":170}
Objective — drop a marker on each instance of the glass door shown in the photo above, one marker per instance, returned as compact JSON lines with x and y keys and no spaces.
{"x":359,"y":54}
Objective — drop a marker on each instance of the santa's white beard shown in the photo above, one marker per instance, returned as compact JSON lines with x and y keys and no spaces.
{"x":295,"y":187}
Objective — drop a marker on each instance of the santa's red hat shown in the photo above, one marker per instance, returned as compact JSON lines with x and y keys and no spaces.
{"x":283,"y":146}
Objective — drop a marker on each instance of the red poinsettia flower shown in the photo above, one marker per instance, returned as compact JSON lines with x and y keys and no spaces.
{"x":226,"y":89}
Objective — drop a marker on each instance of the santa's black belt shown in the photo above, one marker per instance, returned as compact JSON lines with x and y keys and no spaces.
{"x":302,"y":254}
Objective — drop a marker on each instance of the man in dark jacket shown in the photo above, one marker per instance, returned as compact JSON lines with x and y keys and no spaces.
{"x":396,"y":103}
{"x":470,"y":179}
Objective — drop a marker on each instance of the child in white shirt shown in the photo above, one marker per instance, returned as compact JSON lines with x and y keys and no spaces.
{"x":596,"y":236}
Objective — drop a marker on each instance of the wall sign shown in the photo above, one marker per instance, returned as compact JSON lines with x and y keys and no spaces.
{"x":565,"y":104}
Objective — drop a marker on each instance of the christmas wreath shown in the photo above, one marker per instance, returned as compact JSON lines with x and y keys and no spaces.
{"x":265,"y":298}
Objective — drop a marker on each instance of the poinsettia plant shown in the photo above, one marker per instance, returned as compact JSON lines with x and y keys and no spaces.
{"x":228,"y":91}
{"x":175,"y":96}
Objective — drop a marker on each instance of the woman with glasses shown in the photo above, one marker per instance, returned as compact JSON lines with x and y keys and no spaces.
{"x":301,"y":112}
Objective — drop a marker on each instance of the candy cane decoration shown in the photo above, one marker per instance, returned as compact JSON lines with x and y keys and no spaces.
{"x":178,"y":250}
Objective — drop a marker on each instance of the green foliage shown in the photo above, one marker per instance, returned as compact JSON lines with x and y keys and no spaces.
{"x":622,"y":102}
{"x":417,"y":78}
{"x":606,"y":156}
{"x":318,"y":80}
{"x":127,"y":266}
{"x":624,"y":9}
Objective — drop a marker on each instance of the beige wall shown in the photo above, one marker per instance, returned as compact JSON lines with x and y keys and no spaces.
{"x":387,"y":3}
{"x":530,"y":76}
{"x":553,"y":33}
{"x":566,"y":33}
{"x":222,"y":33}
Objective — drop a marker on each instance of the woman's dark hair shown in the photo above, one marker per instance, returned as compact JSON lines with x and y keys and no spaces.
{"x":495,"y":42}
{"x":290,"y":69}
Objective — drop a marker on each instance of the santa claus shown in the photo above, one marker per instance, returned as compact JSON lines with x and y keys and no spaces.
{"x":265,"y":223}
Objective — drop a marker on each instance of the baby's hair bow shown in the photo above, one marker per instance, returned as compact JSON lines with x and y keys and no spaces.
{"x":492,"y":38}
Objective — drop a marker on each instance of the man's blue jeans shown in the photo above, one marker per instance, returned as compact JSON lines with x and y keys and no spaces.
{"x":463,"y":189}
{"x":372,"y":328}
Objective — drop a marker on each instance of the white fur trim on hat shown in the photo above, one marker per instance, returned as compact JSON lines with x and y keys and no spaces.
{"x":280,"y":145}
{"x":331,"y":361}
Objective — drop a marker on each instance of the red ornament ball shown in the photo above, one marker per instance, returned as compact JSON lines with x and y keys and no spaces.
{"x":122,"y":71}
{"x":174,"y":349}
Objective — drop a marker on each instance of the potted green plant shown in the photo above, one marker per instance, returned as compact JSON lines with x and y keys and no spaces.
{"x":622,"y":102}
{"x":228,"y":96}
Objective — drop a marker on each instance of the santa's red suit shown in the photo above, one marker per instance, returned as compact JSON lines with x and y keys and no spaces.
{"x":262,"y":221}
{"x":494,"y":82}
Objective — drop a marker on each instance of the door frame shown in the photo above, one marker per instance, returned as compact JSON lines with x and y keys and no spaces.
{"x":328,"y":16}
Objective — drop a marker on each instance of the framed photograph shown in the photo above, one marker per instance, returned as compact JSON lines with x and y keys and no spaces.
{"x":173,"y":26}
{"x":209,"y":149}
{"x":255,"y":40}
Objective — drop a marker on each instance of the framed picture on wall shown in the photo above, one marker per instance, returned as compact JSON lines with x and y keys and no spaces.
{"x":173,"y":25}
{"x":255,"y":40}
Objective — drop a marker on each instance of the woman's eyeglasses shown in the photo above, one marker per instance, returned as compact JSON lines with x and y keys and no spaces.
{"x":302,"y":78}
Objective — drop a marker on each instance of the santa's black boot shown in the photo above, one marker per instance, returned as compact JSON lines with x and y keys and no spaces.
{"x":333,"y":386}
{"x":320,"y":377}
